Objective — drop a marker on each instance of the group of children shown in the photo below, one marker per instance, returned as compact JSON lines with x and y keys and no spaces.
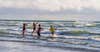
{"x":36,"y":28}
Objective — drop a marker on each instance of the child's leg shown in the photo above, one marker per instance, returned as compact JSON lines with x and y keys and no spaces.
{"x":38,"y":33}
{"x":23,"y":33}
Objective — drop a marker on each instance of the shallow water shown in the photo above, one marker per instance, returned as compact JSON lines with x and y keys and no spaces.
{"x":29,"y":47}
{"x":63,"y":28}
{"x":23,"y":47}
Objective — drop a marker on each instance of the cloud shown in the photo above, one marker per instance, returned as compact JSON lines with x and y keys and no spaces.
{"x":57,"y":5}
{"x":16,"y":3}
{"x":52,"y":5}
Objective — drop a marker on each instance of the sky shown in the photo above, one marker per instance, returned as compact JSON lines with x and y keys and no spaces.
{"x":50,"y":9}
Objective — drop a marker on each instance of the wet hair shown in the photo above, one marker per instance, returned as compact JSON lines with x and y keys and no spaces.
{"x":33,"y":23}
{"x":39,"y":25}
{"x":51,"y":25}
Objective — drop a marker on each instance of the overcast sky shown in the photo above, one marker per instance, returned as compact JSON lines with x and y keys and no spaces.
{"x":56,"y":8}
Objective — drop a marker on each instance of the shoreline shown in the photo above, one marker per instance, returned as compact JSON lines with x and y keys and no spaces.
{"x":55,"y":46}
{"x":48,"y":44}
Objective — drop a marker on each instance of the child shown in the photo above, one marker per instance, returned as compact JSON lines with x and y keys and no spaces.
{"x":39,"y":31}
{"x":52,"y":30}
{"x":34,"y":28}
{"x":24,"y":29}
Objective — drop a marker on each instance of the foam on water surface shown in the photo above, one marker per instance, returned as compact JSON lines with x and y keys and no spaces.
{"x":61,"y":27}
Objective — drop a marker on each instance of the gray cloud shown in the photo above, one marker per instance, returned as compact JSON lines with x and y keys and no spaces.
{"x":29,"y":11}
{"x":51,"y":5}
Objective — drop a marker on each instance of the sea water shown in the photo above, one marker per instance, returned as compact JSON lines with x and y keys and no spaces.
{"x":83,"y":34}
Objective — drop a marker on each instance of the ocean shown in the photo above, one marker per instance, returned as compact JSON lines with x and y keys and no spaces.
{"x":78,"y":34}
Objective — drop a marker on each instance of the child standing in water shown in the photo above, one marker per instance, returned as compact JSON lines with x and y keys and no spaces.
{"x":39,"y":30}
{"x":24,"y":29}
{"x":52,"y":30}
{"x":34,"y":28}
